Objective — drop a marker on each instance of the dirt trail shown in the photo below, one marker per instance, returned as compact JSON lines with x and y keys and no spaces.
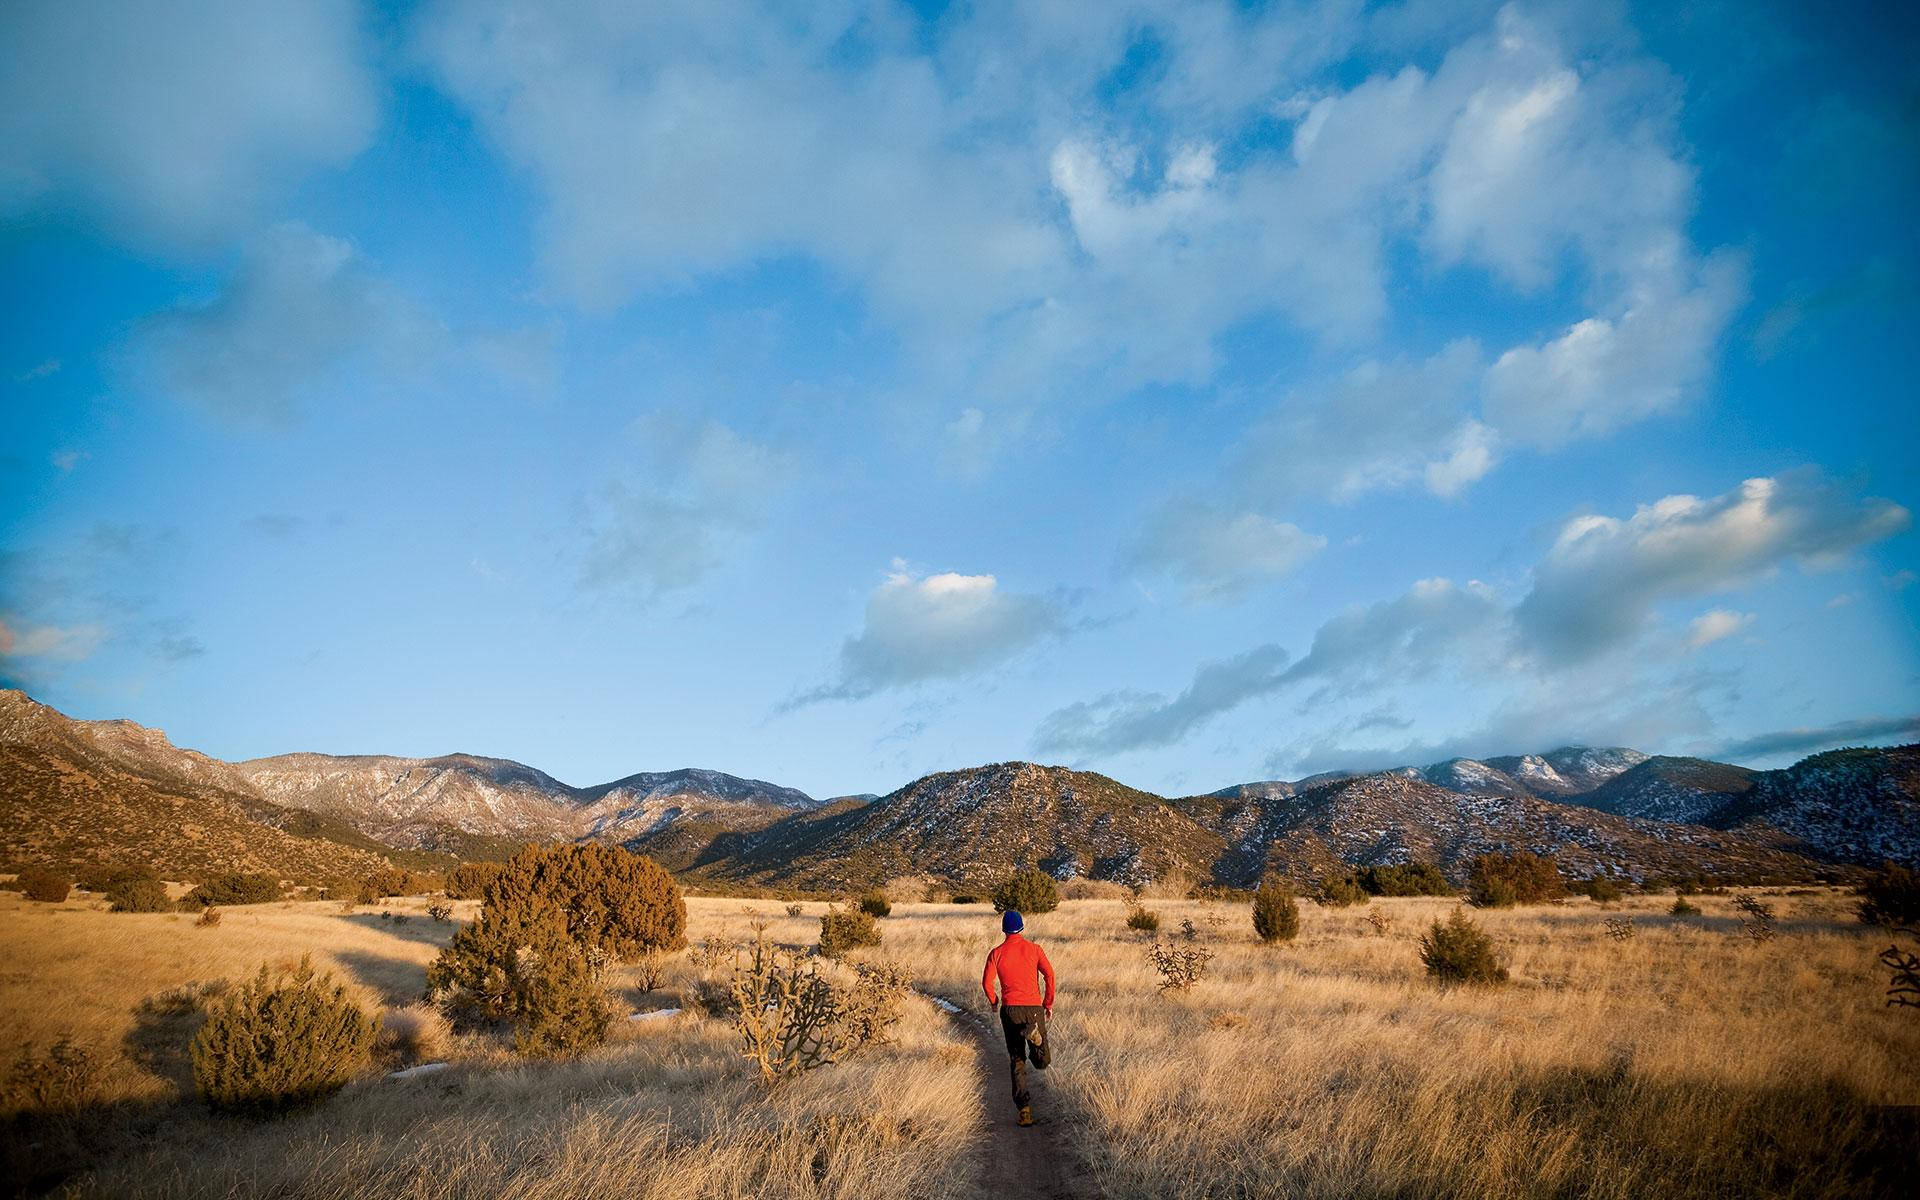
{"x":1039,"y":1161}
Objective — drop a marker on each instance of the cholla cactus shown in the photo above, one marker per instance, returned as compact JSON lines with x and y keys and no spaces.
{"x":787,"y":1015}
{"x":1904,"y":989}
{"x":1757,"y":920}
{"x":1180,"y":967}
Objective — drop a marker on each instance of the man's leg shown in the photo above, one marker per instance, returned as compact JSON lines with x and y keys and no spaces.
{"x":1016,"y":1036}
{"x":1042,"y":1054}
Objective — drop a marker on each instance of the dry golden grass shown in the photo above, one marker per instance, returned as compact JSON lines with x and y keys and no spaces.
{"x":1684,"y":1062}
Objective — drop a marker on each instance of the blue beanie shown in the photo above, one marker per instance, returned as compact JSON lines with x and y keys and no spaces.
{"x":1010,"y":922}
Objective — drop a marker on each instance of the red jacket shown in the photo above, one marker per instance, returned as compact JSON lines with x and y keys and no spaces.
{"x":1013,"y":963}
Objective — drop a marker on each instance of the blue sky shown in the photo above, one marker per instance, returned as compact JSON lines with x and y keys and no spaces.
{"x":1195,"y":393}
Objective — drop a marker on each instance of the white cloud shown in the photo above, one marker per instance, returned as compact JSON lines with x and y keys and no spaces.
{"x":65,"y":461}
{"x":1030,"y":255}
{"x":1220,"y":554}
{"x":1380,"y":427}
{"x":1608,"y":371}
{"x":174,"y":121}
{"x":1599,"y":582}
{"x":1714,"y":624}
{"x":922,"y":628}
{"x":700,"y":491}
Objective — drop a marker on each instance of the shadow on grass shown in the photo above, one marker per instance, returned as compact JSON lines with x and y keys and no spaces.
{"x":410,"y":928}
{"x":397,"y":980}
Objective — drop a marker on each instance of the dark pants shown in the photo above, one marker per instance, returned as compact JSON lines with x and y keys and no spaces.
{"x":1016,"y":1020}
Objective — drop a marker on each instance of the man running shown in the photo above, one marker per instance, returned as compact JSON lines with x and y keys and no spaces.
{"x":1013,"y":965}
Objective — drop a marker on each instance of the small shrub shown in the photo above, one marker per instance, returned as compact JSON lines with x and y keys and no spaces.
{"x":1180,"y":967}
{"x":1029,"y":892}
{"x":416,"y":1033}
{"x":1891,"y":897}
{"x":650,"y":970}
{"x":1381,"y":923}
{"x":1340,"y":891}
{"x":844,"y":929}
{"x":1142,"y":920}
{"x":874,"y":903}
{"x":233,"y":889}
{"x":139,"y":895}
{"x":45,"y":884}
{"x":965,"y":898}
{"x":441,"y":912}
{"x":795,"y":909}
{"x":1503,"y":880}
{"x":1276,"y":917}
{"x":1407,"y":879}
{"x":1620,"y":929}
{"x":209,"y":917}
{"x":1601,"y":889}
{"x":1189,"y":930}
{"x":1683,"y":907}
{"x":275,"y":1044}
{"x":1459,"y":951}
{"x":872,"y":1005}
{"x":64,"y":1079}
{"x":1756,"y":918}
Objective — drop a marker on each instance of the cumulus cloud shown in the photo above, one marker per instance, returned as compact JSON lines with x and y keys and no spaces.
{"x":1600,"y":581}
{"x":1715,"y":624}
{"x":174,"y":121}
{"x":701,"y":490}
{"x":921,"y":628}
{"x":1408,"y":637}
{"x":301,"y":312}
{"x":1607,"y":371}
{"x":1792,"y":743}
{"x":1217,"y":554}
{"x":1031,"y":255}
{"x":1381,"y":426}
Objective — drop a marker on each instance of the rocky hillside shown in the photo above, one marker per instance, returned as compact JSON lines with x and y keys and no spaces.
{"x":974,"y":827}
{"x":1860,"y":805}
{"x":1568,"y":771}
{"x":80,"y":793}
{"x":1390,"y":818}
{"x":1672,"y":789}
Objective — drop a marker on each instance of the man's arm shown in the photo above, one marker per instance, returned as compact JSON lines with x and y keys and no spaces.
{"x":1046,"y":970}
{"x":987,"y":979}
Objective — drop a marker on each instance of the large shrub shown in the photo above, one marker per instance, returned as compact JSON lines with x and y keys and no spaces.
{"x":45,"y":884}
{"x":139,"y":895}
{"x":549,"y":921}
{"x":1404,"y":879}
{"x":1602,"y":889}
{"x":1503,"y":880}
{"x":1339,"y":891}
{"x":469,"y":881}
{"x":233,"y":889}
{"x":1276,"y":916}
{"x":395,"y":881}
{"x":1891,"y":897}
{"x":1459,"y":951}
{"x":1027,"y":891}
{"x":874,"y":903}
{"x":844,"y":929}
{"x":277,"y":1043}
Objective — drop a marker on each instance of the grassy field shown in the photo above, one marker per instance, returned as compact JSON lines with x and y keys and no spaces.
{"x":1686,"y":1061}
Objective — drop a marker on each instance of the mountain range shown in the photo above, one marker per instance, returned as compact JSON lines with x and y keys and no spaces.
{"x":83,"y":792}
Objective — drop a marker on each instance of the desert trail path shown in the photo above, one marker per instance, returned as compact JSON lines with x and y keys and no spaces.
{"x":1039,"y":1162}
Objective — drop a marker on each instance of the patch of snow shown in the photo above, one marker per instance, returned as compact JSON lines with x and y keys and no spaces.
{"x":654,"y":1014}
{"x":422,"y":1069}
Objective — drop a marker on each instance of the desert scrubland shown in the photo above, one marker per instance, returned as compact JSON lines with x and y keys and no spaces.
{"x":1685,"y":1060}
